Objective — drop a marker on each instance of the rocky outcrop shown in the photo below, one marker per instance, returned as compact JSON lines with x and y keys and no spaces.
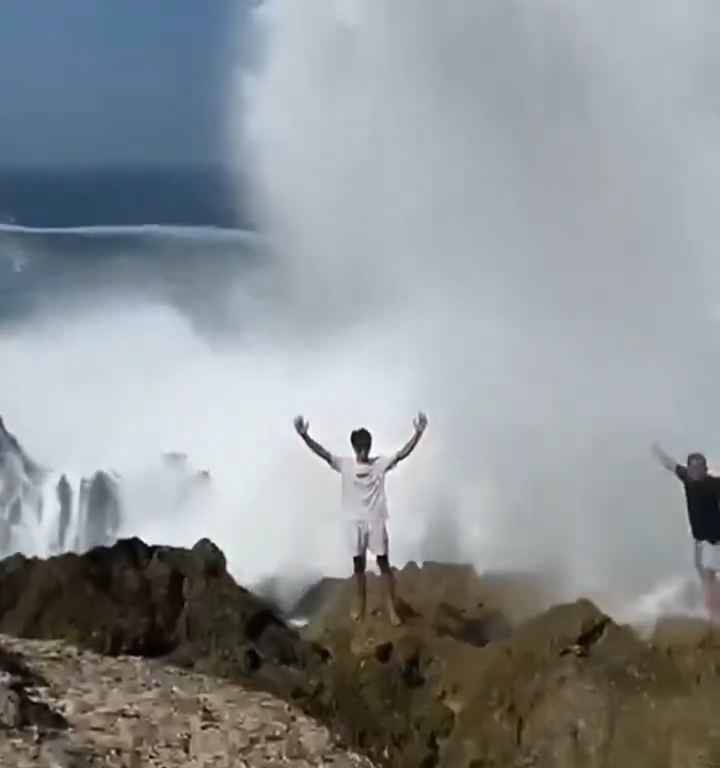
{"x":151,"y":601}
{"x":19,"y":479}
{"x":121,"y":712}
{"x":99,"y":511}
{"x":10,"y":447}
{"x":65,"y":500}
{"x":465,"y":684}
{"x":471,"y":679}
{"x":92,"y":511}
{"x":46,"y":512}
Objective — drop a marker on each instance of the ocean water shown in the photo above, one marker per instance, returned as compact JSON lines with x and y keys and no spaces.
{"x":183,"y":266}
{"x":123,"y":196}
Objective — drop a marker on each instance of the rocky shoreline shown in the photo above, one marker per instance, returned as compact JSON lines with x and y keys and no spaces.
{"x":127,"y":712}
{"x":484,"y":672}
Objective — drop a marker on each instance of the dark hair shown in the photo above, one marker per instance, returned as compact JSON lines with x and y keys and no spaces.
{"x":361,"y":439}
{"x":696,"y":457}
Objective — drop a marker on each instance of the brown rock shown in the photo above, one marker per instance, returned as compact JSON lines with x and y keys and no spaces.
{"x":481,"y":673}
{"x":152,"y":601}
{"x":565,"y":688}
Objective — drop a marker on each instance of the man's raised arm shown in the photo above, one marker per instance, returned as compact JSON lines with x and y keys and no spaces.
{"x":667,"y":461}
{"x":301,"y":427}
{"x":420,"y":425}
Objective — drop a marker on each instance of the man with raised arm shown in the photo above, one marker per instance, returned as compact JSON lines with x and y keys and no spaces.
{"x":702,"y":493}
{"x":365,"y":505}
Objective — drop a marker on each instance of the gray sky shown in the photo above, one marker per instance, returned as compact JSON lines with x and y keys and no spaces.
{"x":115,"y":81}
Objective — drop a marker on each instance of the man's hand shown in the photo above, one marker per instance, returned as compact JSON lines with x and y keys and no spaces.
{"x":420,"y":424}
{"x":301,"y":426}
{"x":667,"y":461}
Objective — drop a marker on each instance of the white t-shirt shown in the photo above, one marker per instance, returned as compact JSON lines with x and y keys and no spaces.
{"x":363,"y":487}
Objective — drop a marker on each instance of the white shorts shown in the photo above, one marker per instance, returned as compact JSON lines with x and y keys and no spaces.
{"x":707,"y":556}
{"x":370,"y":535}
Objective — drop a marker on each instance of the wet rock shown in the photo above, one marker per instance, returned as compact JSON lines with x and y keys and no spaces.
{"x":65,"y":498}
{"x":463,"y":683}
{"x":5,"y":534}
{"x":10,"y":446}
{"x":211,"y":557}
{"x":23,"y":503}
{"x":102,"y":511}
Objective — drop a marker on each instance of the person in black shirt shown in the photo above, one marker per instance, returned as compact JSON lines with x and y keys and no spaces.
{"x":702,"y":493}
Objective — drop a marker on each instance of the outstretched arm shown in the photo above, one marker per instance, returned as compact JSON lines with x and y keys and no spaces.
{"x":667,"y":461}
{"x":420,"y":425}
{"x":301,"y":427}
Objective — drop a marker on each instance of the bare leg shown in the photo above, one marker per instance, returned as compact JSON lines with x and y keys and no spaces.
{"x":706,"y":579}
{"x":707,"y":586}
{"x":707,"y":596}
{"x":710,"y":585}
{"x":358,"y":610}
{"x":698,"y":559}
{"x":712,"y":596}
{"x":389,"y":586}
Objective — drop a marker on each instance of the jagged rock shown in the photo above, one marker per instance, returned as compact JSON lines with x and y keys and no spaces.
{"x":10,"y":446}
{"x":12,"y":476}
{"x":463,"y":684}
{"x":86,"y":513}
{"x":469,"y":680}
{"x":22,"y":503}
{"x":211,"y":557}
{"x":19,"y":481}
{"x":317,"y":599}
{"x":5,"y":534}
{"x":404,"y":685}
{"x":444,"y":590}
{"x":102,"y":511}
{"x":153,"y":601}
{"x":65,"y":498}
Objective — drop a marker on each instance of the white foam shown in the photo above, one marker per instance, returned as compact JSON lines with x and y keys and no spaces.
{"x":37,"y":531}
{"x":677,"y":596}
{"x":152,"y":230}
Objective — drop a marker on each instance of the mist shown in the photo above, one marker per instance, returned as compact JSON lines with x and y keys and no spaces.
{"x":501,"y":213}
{"x":516,"y":201}
{"x":112,"y":382}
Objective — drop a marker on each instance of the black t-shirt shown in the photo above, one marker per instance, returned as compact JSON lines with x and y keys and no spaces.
{"x":703,"y":504}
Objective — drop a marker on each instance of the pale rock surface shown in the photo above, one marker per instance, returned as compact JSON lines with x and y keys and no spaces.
{"x":125,"y":712}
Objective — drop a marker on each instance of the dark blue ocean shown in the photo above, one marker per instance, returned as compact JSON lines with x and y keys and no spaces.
{"x":173,"y":235}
